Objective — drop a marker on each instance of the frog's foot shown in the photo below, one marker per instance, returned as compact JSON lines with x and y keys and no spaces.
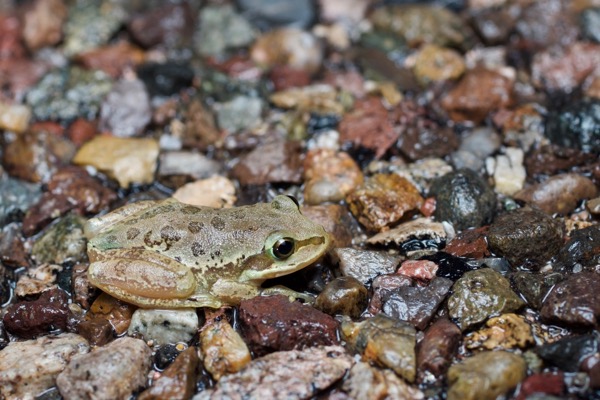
{"x":148,"y":279}
{"x":292,"y":294}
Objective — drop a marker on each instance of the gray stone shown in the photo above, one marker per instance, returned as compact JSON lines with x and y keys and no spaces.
{"x":126,"y":109}
{"x":164,"y":326}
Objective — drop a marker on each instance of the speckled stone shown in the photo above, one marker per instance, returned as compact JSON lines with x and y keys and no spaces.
{"x":164,"y":326}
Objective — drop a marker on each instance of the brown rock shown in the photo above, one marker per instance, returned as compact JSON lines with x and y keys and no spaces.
{"x":279,"y":161}
{"x":10,"y":37}
{"x":18,"y":75}
{"x":115,"y":311}
{"x":344,"y":295}
{"x":97,"y":331}
{"x":548,"y":383}
{"x":329,"y":176}
{"x":237,"y":66}
{"x":470,"y":243}
{"x":12,"y":248}
{"x":567,"y":69}
{"x":383,"y":286}
{"x":42,"y":23}
{"x":551,"y":159}
{"x":71,"y":188}
{"x":112,"y":59}
{"x":368,"y":125}
{"x":81,"y":131}
{"x":434,"y":63}
{"x":170,"y":24}
{"x":348,"y":81}
{"x":419,"y":228}
{"x":200,"y":128}
{"x":437,"y":349}
{"x":223,"y":350}
{"x":544,"y":25}
{"x":478,"y":93}
{"x":559,"y":194}
{"x":293,"y":47}
{"x":83,"y":291}
{"x":573,"y":302}
{"x":382,"y":200}
{"x":336,"y":220}
{"x":273,"y":323}
{"x":36,"y":156}
{"x":285,"y":77}
{"x":178,"y":381}
{"x":28,"y":319}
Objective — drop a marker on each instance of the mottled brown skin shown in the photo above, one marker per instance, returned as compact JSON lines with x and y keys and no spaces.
{"x":172,"y":255}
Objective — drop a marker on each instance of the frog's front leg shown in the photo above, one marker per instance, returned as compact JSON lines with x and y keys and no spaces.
{"x":232,"y":292}
{"x":147,"y":279}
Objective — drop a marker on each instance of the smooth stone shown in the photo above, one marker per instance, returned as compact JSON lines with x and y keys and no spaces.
{"x":164,"y":326}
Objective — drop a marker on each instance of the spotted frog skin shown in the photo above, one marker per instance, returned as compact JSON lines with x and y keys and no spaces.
{"x":167,"y":254}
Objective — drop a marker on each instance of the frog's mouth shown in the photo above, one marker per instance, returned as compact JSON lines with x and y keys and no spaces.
{"x":263,"y":266}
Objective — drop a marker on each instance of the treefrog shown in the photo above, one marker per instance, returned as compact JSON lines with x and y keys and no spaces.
{"x":167,"y":254}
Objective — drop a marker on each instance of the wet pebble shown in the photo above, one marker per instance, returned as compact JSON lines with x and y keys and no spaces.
{"x":478,"y":93}
{"x":165,"y":79}
{"x":464,"y":199}
{"x":479,"y":295}
{"x":385,"y":341}
{"x":485,"y":375}
{"x":577,"y":125}
{"x":14,"y":117}
{"x":471,"y":243}
{"x":434,"y":63}
{"x":28,"y":319}
{"x":417,"y":304}
{"x":113,"y":59}
{"x":168,"y":24}
{"x":216,"y":191}
{"x":118,"y":313}
{"x":37,"y":280}
{"x":113,"y":371}
{"x":240,"y":113}
{"x":507,"y":170}
{"x":366,"y":382}
{"x":582,"y":248}
{"x":417,"y":24}
{"x":545,"y":384}
{"x":30,"y":367}
{"x":222,"y":348}
{"x":273,"y":323}
{"x":64,"y":95}
{"x":382,"y":200}
{"x":222,"y":28}
{"x":189,"y":164}
{"x":475,"y":147}
{"x":344,"y":295}
{"x":504,"y":332}
{"x":383,"y":286}
{"x":62,"y":242}
{"x":288,"y":46}
{"x":559,"y":194}
{"x":572,"y":302}
{"x":12,"y":247}
{"x":126,"y":111}
{"x":96,"y":330}
{"x":126,"y":160}
{"x":336,"y":220}
{"x":421,"y":270}
{"x":368,"y":125}
{"x":164,"y":326}
{"x":329,"y":176}
{"x":178,"y":381}
{"x":590,"y":21}
{"x":36,"y":156}
{"x":422,"y":232}
{"x":17,"y":197}
{"x":534,"y":287}
{"x":91,"y":24}
{"x":292,"y":375}
{"x":527,"y":238}
{"x":436,"y":349}
{"x":82,"y":290}
{"x":365,"y":265}
{"x":278,"y":161}
{"x":267,"y":14}
{"x":569,"y":352}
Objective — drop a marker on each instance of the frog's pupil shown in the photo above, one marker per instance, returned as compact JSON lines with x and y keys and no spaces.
{"x":283,"y":248}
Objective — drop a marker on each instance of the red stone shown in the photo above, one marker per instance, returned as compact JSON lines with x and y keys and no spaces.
{"x":547,"y":383}
{"x":470,"y":243}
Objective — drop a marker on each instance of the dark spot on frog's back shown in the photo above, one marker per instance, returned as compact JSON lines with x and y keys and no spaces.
{"x":197,"y":249}
{"x":195,"y":226}
{"x":168,"y":233}
{"x":218,"y":223}
{"x":111,"y":239}
{"x":132,"y":233}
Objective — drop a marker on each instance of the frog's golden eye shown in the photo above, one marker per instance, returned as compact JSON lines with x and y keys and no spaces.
{"x":283,"y":248}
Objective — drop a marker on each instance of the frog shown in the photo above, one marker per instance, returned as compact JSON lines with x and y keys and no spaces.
{"x":169,"y":254}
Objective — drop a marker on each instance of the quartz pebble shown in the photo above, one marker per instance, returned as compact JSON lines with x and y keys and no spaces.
{"x":222,"y":348}
{"x":508,"y":171}
{"x":164,"y":326}
{"x":30,"y":367}
{"x":113,"y":371}
{"x":14,"y":117}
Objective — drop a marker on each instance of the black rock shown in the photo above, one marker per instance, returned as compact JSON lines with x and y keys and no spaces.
{"x":165,"y":79}
{"x":449,"y":266}
{"x":165,"y":355}
{"x":582,"y":248}
{"x":590,"y":24}
{"x":568,"y":353}
{"x":577,"y":125}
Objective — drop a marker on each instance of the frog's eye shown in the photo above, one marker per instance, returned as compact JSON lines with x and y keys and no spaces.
{"x":283,"y":248}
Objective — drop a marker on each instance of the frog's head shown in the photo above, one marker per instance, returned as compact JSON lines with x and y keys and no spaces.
{"x":291,"y":243}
